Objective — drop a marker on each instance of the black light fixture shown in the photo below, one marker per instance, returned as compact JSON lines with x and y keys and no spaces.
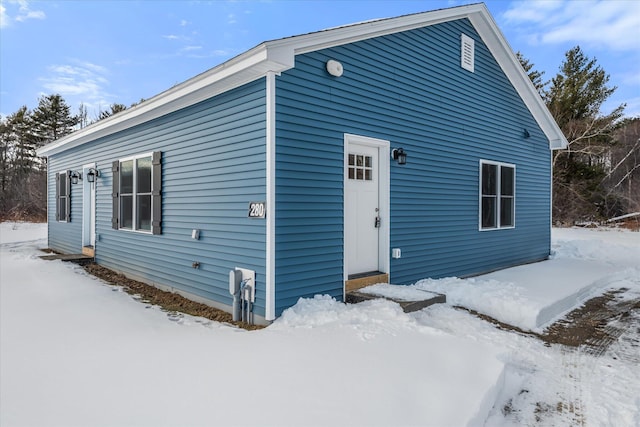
{"x":526,"y":134}
{"x":399,"y":155}
{"x":75,"y":176}
{"x":92,"y":174}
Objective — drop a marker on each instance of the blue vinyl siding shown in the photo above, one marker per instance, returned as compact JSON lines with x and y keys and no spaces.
{"x":64,"y":237}
{"x":410,"y":89}
{"x":213,"y":165}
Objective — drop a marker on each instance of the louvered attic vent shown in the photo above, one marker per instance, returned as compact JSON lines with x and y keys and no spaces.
{"x":466,"y":52}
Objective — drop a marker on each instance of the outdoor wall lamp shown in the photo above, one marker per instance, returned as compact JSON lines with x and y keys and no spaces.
{"x":75,"y":176}
{"x":399,"y":155}
{"x":526,"y":134}
{"x":92,"y":174}
{"x":334,"y":68}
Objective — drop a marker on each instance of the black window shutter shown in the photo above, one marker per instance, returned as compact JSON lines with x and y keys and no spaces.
{"x":68,"y":199}
{"x":115,"y":213}
{"x":57,"y":197}
{"x":156,"y":193}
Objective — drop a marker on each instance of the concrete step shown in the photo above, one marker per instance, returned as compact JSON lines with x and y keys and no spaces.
{"x":75,"y":258}
{"x":430,"y":298}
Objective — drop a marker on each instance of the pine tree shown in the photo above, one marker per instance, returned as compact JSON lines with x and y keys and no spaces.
{"x":534,"y":75}
{"x":575,"y":98}
{"x":21,"y":177}
{"x":53,"y":118}
{"x":113,"y":109}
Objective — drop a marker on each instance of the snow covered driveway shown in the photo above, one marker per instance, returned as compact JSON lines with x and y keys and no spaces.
{"x":77,"y":352}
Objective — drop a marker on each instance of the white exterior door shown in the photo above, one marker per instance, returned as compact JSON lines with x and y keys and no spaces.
{"x":88,"y":209}
{"x":366,"y":217}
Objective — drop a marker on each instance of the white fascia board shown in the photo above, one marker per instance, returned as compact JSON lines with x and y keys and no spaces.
{"x":502,"y":52}
{"x":481,"y":19}
{"x":361,"y":31}
{"x":279,"y":55}
{"x":243,"y":69}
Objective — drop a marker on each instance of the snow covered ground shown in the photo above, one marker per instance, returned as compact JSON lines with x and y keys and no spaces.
{"x":77,"y":352}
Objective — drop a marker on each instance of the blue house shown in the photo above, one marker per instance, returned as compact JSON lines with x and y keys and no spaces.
{"x":390,"y":150}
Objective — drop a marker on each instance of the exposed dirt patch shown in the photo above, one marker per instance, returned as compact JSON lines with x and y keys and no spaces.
{"x":595,"y":325}
{"x":169,"y":302}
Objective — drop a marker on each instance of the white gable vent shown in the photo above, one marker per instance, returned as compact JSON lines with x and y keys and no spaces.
{"x":466,"y":52}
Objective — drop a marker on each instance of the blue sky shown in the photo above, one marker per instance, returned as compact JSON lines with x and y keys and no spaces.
{"x":104,"y":52}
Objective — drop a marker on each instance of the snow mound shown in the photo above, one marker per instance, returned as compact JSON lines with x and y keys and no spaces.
{"x":368,"y":319}
{"x":502,"y":300}
{"x":619,"y":247}
{"x":12,"y":232}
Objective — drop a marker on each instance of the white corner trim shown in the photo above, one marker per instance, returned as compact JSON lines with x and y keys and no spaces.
{"x":270,"y":280}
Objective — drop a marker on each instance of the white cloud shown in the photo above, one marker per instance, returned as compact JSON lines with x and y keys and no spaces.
{"x":81,"y":80}
{"x":18,"y":11}
{"x":609,"y":24}
{"x":4,"y":19}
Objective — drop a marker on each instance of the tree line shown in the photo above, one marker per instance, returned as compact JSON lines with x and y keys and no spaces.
{"x":595,"y":178}
{"x":23,"y":193}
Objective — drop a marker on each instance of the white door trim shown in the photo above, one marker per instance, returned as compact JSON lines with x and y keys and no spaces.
{"x":383,"y":189}
{"x":88,"y":208}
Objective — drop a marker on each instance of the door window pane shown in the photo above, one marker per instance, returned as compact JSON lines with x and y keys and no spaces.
{"x":360,"y":167}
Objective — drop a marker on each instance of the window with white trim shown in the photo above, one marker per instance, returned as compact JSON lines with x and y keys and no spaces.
{"x":136,"y":193}
{"x":497,"y":195}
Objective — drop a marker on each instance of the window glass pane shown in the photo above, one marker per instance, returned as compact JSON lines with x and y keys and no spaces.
{"x":367,"y":161}
{"x":62,"y":208}
{"x":126,"y":177}
{"x":143,"y":175}
{"x":367,"y":174}
{"x":359,"y":160}
{"x":506,"y":212}
{"x":126,"y":211}
{"x":352,"y":173}
{"x":506,"y":181}
{"x":352,"y":160}
{"x":143,"y":221}
{"x":489,"y":182}
{"x":62,"y":185}
{"x":488,"y":212}
{"x":359,"y":174}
